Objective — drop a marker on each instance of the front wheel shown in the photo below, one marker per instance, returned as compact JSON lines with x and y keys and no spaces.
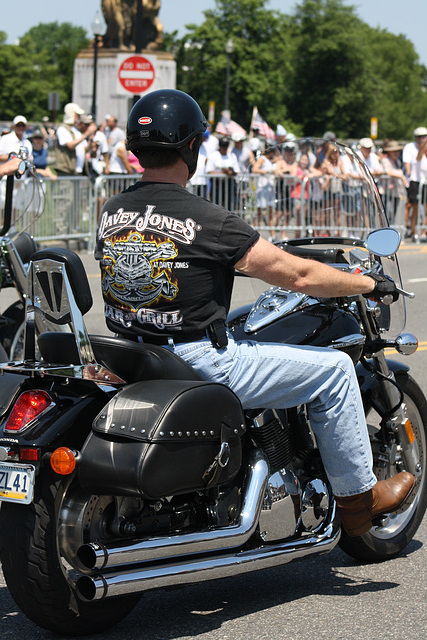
{"x":36,"y":573}
{"x":397,"y":530}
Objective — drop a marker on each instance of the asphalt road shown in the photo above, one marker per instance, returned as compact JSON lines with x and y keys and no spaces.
{"x":327,"y":597}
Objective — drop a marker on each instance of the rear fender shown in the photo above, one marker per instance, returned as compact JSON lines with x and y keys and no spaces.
{"x":68,"y":420}
{"x":11,"y":385}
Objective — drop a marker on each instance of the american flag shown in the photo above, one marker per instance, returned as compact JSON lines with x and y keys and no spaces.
{"x":226,"y":126}
{"x":258,"y":123}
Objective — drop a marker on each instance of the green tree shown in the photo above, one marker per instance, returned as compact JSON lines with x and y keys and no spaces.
{"x":260,"y":65}
{"x":42,"y":62}
{"x":399,"y":100}
{"x":59,"y":44}
{"x":331,"y":88}
{"x":24,"y":83}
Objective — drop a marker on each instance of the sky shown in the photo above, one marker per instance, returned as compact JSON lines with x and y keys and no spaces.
{"x":408,"y":18}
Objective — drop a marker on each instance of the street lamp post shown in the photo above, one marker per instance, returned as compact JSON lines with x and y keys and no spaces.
{"x":98,"y":30}
{"x":229,"y":48}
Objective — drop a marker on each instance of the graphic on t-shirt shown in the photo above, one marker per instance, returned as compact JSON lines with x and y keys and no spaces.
{"x":129,"y":274}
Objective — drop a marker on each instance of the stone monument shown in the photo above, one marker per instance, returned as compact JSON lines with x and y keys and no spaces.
{"x":130,"y":61}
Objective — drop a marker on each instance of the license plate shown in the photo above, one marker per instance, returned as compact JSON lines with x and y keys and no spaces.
{"x":16,"y":483}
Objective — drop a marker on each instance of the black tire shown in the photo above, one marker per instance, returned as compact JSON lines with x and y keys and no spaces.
{"x":12,"y":336}
{"x":388,"y":541}
{"x":36,"y":573}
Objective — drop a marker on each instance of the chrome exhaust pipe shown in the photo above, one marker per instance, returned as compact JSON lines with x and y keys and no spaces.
{"x":95,"y":555}
{"x":190,"y":570}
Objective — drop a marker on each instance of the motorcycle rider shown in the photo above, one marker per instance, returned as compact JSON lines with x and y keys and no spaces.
{"x":167,"y":259}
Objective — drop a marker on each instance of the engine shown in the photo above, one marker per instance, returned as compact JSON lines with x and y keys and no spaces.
{"x":296,"y":501}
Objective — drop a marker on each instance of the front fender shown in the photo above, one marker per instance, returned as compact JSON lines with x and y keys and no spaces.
{"x":368,"y":382}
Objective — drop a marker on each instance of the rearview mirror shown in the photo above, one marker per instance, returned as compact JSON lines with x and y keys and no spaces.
{"x":383,"y":242}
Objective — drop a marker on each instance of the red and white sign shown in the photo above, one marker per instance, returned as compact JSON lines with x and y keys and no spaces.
{"x":136,"y":74}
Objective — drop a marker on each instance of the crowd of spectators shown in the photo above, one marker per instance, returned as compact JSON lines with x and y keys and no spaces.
{"x":285,"y":168}
{"x":77,"y":146}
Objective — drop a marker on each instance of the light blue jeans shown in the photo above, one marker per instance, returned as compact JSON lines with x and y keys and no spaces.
{"x":278,"y":376}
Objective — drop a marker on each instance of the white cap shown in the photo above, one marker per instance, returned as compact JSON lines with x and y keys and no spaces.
{"x":70,"y":111}
{"x":255,"y":144}
{"x":420,"y":131}
{"x":18,"y":119}
{"x":280,"y":130}
{"x":366,"y":143}
{"x":238,"y":137}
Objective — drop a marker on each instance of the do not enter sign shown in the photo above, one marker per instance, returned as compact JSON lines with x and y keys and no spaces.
{"x":136,"y":74}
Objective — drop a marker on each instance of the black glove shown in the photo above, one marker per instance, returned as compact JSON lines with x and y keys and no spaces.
{"x":384,"y":291}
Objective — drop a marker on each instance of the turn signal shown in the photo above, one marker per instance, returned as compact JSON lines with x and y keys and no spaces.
{"x":409,"y":431}
{"x":63,"y":461}
{"x":28,"y":406}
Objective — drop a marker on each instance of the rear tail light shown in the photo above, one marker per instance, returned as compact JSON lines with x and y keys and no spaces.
{"x":28,"y":406}
{"x":28,"y":454}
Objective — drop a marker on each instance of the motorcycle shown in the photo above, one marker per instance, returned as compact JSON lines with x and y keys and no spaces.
{"x":121,"y":470}
{"x":16,"y":250}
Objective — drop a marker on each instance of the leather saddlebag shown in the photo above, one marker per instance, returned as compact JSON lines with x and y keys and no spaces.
{"x":160,"y":438}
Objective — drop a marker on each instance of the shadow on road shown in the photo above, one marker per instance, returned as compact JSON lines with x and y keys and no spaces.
{"x":202,"y":609}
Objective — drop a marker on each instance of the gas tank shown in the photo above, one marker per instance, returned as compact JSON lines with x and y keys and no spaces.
{"x":284,"y":316}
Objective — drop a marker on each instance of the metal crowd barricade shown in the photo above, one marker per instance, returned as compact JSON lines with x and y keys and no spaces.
{"x":279,"y":206}
{"x":288,"y":207}
{"x":67,"y":213}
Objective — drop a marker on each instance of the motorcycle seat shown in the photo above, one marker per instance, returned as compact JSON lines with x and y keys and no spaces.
{"x":131,"y":361}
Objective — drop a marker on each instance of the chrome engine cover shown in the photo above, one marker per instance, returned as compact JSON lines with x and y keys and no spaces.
{"x":315,"y":504}
{"x":289,"y":509}
{"x":281,"y":509}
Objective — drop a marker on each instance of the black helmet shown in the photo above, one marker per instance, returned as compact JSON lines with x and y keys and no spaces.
{"x":167,"y":119}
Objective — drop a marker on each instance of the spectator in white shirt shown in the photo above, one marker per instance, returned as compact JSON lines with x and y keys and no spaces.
{"x":415,"y":164}
{"x":11,"y":142}
{"x":369,"y":157}
{"x":69,"y":137}
{"x":224,"y":163}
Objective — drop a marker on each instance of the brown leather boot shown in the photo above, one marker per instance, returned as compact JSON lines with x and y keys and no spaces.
{"x":357,"y":512}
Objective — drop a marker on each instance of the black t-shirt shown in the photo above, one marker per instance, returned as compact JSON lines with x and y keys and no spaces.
{"x":167,"y":259}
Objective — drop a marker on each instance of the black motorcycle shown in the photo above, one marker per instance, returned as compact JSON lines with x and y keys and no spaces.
{"x":122,"y":471}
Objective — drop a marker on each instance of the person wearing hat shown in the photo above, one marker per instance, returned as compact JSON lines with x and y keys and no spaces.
{"x":265,"y":165}
{"x":69,"y":137}
{"x":243,"y":155}
{"x":223,"y":163}
{"x":255,"y":144}
{"x":415,"y":164}
{"x":369,"y":156}
{"x":281,"y":134}
{"x":40,"y":154}
{"x":323,"y":146}
{"x":395,"y":193}
{"x":11,"y":142}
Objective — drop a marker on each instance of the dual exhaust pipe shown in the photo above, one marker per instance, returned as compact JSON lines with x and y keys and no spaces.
{"x":194,"y":557}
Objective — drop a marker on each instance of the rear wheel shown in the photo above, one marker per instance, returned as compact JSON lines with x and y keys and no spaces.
{"x":397,"y":530}
{"x":36,"y":571}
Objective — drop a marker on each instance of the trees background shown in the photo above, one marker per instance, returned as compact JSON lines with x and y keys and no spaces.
{"x":319,"y":68}
{"x":42,"y":62}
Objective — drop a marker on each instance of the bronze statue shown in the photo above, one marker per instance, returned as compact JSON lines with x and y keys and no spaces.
{"x":120,"y":16}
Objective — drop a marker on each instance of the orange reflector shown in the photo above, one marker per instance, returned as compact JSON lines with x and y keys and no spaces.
{"x":409,"y":431}
{"x":63,"y":461}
